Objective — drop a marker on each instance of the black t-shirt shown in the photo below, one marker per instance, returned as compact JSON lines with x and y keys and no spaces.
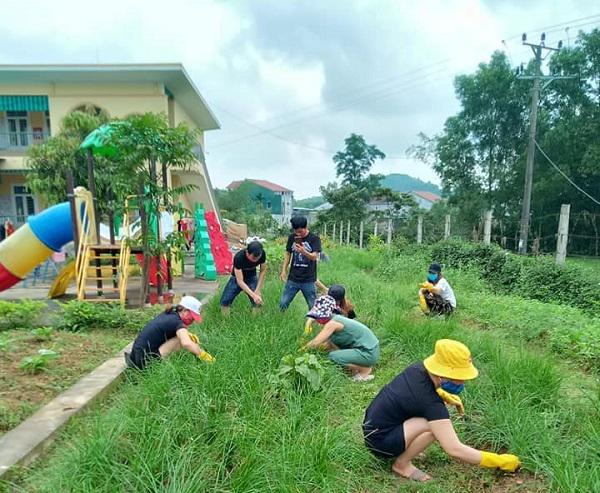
{"x":303,"y":269}
{"x":410,"y":395}
{"x":248,"y":268}
{"x":158,"y":331}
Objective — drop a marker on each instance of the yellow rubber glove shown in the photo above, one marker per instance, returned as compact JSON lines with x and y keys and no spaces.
{"x":423,"y":304}
{"x":194,"y":338}
{"x":207,"y":357}
{"x":427,"y":285}
{"x":308,"y":330}
{"x":451,"y":399}
{"x":505,"y":462}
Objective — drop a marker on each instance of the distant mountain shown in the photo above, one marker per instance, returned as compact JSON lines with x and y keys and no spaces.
{"x":310,"y":202}
{"x":405,"y":183}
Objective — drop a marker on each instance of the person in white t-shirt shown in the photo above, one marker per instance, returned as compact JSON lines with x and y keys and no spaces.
{"x":436,"y":295}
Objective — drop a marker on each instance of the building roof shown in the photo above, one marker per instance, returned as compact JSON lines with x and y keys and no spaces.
{"x":261,"y":183}
{"x":430,"y":197}
{"x":173,"y":75}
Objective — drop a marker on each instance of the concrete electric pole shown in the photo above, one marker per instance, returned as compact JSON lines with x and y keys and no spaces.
{"x":535,"y":98}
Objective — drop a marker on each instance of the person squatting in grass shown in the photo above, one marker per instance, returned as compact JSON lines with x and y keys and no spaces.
{"x":244,"y":278}
{"x":167,"y":333}
{"x":351,"y":344}
{"x":301,"y":255}
{"x":436,"y":296}
{"x":409,"y":413}
{"x":338,"y":292}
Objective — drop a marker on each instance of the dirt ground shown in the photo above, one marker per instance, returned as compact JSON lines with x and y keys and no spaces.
{"x":21,"y":393}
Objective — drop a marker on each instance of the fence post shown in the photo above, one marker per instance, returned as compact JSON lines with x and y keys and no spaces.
{"x":360,"y":237}
{"x":333,"y":235}
{"x":341,"y":232}
{"x":420,"y":230}
{"x":563,"y":234}
{"x":389,"y":232}
{"x":487,"y":227}
{"x":375,"y":228}
{"x":325,"y":231}
{"x":447,"y":227}
{"x":348,"y":234}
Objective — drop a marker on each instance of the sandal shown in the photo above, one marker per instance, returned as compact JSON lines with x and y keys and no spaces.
{"x":417,"y":475}
{"x":359,"y":378}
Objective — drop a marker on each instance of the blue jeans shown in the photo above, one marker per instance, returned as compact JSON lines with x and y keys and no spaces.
{"x":232,"y":290}
{"x":309,"y":291}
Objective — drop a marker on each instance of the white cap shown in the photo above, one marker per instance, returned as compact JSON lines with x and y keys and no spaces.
{"x":193,"y":305}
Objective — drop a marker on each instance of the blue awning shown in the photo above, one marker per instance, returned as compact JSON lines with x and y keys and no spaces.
{"x":23,"y":103}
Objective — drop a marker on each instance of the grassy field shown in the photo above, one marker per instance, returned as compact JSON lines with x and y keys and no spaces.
{"x":186,"y":426}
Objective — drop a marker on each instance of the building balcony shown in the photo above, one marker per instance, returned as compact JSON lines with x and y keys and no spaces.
{"x":20,"y":142}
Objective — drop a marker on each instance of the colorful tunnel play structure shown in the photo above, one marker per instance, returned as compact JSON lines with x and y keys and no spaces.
{"x":31,"y":244}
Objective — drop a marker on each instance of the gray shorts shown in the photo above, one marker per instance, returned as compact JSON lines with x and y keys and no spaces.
{"x":355,"y":356}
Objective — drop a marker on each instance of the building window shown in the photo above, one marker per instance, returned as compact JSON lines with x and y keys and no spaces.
{"x":18,"y":128}
{"x":24,"y":203}
{"x":268,"y":204}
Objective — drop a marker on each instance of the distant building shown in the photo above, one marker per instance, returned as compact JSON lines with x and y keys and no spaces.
{"x":274,"y":198}
{"x":309,"y":214}
{"x":425,"y":200}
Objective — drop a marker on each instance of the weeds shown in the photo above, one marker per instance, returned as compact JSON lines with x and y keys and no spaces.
{"x":39,"y":362}
{"x":19,"y":315}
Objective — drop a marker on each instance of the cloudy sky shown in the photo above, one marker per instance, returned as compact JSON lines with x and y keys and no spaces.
{"x":289,"y":80}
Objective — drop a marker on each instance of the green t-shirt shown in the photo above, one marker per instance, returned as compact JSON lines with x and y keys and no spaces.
{"x":353,"y":335}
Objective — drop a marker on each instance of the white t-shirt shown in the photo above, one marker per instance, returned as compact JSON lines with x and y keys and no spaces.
{"x":446,"y":291}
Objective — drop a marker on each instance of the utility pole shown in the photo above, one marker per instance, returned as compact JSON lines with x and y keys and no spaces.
{"x":535,"y":98}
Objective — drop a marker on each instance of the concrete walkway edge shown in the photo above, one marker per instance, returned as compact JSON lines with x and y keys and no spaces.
{"x":27,"y":441}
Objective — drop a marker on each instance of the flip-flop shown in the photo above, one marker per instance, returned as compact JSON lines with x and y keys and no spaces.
{"x":417,"y":475}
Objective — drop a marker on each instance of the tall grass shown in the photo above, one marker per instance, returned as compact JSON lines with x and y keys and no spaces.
{"x":185,"y":426}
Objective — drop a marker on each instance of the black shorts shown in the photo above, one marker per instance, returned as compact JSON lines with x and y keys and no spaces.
{"x":140,"y":358}
{"x":384,"y":443}
{"x":437,"y":305}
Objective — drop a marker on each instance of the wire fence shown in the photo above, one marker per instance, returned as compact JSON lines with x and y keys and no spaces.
{"x":579,"y":236}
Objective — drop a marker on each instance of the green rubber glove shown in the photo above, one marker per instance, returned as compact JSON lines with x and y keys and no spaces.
{"x":505,"y":462}
{"x":451,"y":399}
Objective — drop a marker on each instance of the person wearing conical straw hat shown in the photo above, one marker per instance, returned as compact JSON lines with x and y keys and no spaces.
{"x":410,"y":413}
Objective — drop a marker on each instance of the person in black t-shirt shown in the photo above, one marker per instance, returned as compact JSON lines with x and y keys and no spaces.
{"x":167,"y":333}
{"x":244,"y":278}
{"x":410,"y":413}
{"x":301,"y":256}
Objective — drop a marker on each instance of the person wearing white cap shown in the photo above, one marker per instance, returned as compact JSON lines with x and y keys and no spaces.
{"x":167,"y":333}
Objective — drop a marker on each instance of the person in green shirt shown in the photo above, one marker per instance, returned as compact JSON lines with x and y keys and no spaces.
{"x":350,"y":343}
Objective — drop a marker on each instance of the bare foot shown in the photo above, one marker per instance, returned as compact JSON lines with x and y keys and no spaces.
{"x":411,"y":472}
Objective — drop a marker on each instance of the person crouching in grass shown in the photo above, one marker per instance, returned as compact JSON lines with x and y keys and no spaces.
{"x":244,"y":278}
{"x":410,"y":413}
{"x":167,"y":333}
{"x":351,"y":345}
{"x":436,"y":296}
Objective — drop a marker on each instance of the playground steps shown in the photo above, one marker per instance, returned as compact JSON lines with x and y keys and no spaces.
{"x":204,"y":262}
{"x":96,"y":283}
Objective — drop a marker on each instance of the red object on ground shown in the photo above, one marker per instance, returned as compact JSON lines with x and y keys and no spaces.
{"x":7,"y":278}
{"x":218,"y":244}
{"x":152,"y":277}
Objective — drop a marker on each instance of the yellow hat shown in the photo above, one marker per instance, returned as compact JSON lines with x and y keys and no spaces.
{"x":451,"y":359}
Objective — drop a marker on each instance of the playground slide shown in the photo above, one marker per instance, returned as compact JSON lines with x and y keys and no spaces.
{"x":33,"y":243}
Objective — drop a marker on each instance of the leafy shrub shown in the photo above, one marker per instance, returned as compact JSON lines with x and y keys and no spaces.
{"x":375,"y":243}
{"x":79,"y":315}
{"x":21,"y":314}
{"x":43,"y":333}
{"x":538,"y":278}
{"x":35,"y":364}
{"x":299,"y":373}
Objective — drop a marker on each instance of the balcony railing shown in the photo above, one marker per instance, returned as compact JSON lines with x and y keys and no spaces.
{"x":21,"y":141}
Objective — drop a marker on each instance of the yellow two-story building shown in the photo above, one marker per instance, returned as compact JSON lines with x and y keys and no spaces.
{"x":35,"y":98}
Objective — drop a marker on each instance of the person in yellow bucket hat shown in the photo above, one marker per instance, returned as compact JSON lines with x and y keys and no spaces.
{"x":410,"y":413}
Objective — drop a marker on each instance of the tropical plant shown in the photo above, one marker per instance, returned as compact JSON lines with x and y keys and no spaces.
{"x":39,"y":362}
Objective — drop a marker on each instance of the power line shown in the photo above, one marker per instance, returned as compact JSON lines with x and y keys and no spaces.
{"x":565,"y":176}
{"x":381,"y":94}
{"x":561,"y":25}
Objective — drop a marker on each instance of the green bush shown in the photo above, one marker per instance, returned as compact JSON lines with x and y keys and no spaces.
{"x":538,"y":278}
{"x":19,"y":314}
{"x":39,"y":362}
{"x":79,"y":315}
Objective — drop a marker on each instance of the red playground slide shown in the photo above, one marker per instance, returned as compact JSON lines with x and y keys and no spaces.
{"x":218,"y":244}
